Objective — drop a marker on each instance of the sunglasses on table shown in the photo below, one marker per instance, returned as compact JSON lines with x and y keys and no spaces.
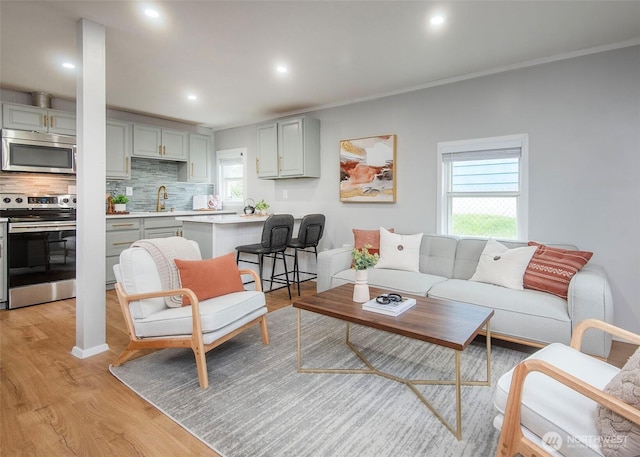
{"x":386,"y":299}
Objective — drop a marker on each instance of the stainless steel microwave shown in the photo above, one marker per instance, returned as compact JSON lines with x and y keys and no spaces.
{"x":38,"y":152}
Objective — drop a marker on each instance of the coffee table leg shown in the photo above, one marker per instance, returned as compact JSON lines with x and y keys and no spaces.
{"x":299,"y":343}
{"x":458,"y":399}
{"x":488,"y":336}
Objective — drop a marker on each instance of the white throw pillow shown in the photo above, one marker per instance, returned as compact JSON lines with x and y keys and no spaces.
{"x":399,"y":252}
{"x":502,"y":266}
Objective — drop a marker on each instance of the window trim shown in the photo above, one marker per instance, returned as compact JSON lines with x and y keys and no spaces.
{"x":235,"y":153}
{"x":481,"y":144}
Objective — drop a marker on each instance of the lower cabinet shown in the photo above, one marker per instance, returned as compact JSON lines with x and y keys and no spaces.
{"x":161,"y":227}
{"x":123,"y":231}
{"x":120,"y":234}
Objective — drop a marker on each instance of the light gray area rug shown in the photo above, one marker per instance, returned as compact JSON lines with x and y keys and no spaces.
{"x":259,"y":405}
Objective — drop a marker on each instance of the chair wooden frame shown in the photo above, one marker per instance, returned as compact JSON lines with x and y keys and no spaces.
{"x":193,"y":341}
{"x":512,"y":441}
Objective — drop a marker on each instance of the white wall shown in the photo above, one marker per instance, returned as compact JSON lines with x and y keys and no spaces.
{"x":583,"y":120}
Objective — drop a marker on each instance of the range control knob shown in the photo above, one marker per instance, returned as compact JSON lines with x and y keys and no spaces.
{"x":75,"y":200}
{"x":19,"y":200}
{"x":6,"y":200}
{"x":65,"y":200}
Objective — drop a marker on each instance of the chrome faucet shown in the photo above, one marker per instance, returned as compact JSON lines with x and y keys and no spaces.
{"x":159,"y":206}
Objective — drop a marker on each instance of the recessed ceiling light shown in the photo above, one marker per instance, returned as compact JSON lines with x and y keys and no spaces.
{"x":192,"y":97}
{"x":68,"y":65}
{"x":281,"y":69}
{"x":438,"y":19}
{"x":151,"y":13}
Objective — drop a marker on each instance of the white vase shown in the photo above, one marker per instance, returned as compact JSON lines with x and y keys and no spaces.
{"x":120,"y":207}
{"x":361,"y":288}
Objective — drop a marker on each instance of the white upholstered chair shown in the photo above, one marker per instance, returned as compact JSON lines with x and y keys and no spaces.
{"x":548,"y":404}
{"x":201,"y":326}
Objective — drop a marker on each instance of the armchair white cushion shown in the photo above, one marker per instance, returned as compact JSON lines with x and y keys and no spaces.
{"x":202,"y":325}
{"x":547,"y":405}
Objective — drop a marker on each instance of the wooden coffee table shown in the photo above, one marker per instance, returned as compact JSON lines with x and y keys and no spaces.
{"x":445,"y":323}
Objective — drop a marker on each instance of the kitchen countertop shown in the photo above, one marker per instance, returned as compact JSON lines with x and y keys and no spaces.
{"x":226,"y":219}
{"x":136,"y":214}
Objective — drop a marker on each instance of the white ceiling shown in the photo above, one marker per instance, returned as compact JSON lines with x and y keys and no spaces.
{"x":337,"y":51}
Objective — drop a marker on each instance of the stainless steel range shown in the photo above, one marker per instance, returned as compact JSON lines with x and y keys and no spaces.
{"x":41,"y":247}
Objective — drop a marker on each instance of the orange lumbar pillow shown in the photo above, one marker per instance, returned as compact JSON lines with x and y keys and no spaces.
{"x":210,"y":278}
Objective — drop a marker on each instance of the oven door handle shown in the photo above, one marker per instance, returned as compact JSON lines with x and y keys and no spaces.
{"x":49,"y":227}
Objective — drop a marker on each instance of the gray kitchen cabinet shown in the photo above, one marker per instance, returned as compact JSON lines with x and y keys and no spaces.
{"x":161,"y":227}
{"x":25,"y":117}
{"x":3,"y":265}
{"x":197,"y":168}
{"x":267,"y":154}
{"x":289,"y":148}
{"x":160,"y":143}
{"x":121,"y":232}
{"x":118,"y":152}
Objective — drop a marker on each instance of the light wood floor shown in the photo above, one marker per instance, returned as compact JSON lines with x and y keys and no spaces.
{"x":53,"y":404}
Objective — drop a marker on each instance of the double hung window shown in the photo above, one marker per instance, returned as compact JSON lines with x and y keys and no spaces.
{"x":231,"y":175}
{"x":483,"y":187}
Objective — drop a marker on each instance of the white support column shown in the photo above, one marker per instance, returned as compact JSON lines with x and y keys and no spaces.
{"x":91,"y":185}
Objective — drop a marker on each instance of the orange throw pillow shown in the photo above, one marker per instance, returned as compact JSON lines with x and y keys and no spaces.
{"x":209,"y":278}
{"x":551,"y":269}
{"x":364,"y":237}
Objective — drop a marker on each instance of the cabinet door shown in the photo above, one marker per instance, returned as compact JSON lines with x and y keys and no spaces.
{"x":199,"y":151}
{"x":147,"y":141}
{"x":62,"y":122}
{"x":267,"y":154}
{"x":24,"y":117}
{"x":118,"y":149}
{"x":175,"y":144}
{"x":290,"y":147}
{"x":162,"y":232}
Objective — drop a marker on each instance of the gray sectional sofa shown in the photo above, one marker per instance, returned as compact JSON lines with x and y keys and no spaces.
{"x":526,"y":316}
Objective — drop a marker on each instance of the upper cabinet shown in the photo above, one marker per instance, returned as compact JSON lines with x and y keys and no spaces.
{"x":289,"y":148}
{"x":118,"y":151}
{"x":25,"y":117}
{"x":160,"y":143}
{"x":197,"y":168}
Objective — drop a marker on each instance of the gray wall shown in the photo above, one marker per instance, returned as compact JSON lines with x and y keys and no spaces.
{"x":583,"y":120}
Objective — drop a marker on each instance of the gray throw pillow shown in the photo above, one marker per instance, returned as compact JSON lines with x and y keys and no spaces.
{"x":618,"y":436}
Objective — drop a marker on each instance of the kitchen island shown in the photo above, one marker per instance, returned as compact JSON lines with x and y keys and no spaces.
{"x":220,"y":234}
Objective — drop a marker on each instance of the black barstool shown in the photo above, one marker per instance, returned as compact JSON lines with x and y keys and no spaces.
{"x":309,"y":234}
{"x":276,"y":235}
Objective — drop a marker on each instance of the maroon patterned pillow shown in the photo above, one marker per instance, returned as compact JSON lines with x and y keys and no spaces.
{"x":551,"y":269}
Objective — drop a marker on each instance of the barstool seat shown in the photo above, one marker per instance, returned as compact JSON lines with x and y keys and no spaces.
{"x":309,"y":235}
{"x":276,"y":235}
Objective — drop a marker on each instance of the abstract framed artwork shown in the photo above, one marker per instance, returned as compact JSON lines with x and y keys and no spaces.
{"x":367,"y":169}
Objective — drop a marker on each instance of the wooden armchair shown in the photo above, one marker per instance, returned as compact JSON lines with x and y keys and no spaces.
{"x":553,"y":413}
{"x":201,"y":326}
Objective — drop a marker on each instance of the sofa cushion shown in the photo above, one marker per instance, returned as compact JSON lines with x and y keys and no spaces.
{"x":408,"y":282}
{"x":619,"y":436}
{"x":549,"y":406}
{"x":551,"y":269}
{"x":370,"y":238}
{"x":502,"y":266}
{"x":527,"y":314}
{"x":399,"y":252}
{"x":216,"y":313}
{"x":209,"y":278}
